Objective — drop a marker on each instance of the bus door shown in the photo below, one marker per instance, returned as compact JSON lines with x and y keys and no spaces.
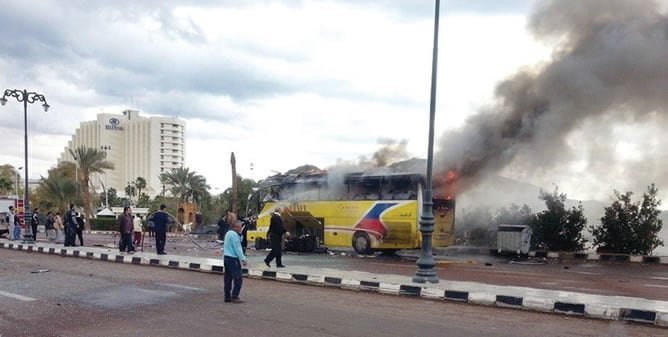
{"x":444,"y":221}
{"x":306,"y":231}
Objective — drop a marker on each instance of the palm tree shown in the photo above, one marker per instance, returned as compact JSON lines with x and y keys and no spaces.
{"x":59,"y":191}
{"x":90,"y":160}
{"x":185,"y":185}
{"x":140,"y":183}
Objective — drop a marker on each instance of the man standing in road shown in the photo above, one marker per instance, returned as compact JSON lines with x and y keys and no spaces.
{"x":275,"y":234}
{"x":34,"y":223}
{"x":125,"y":227}
{"x":198,"y":220}
{"x":70,"y":227}
{"x":233,"y":259}
{"x":160,"y":220}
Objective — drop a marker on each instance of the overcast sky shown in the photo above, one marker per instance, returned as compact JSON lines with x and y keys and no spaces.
{"x":280,"y":83}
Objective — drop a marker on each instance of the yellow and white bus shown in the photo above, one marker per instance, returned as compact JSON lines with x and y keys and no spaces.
{"x":370,"y":212}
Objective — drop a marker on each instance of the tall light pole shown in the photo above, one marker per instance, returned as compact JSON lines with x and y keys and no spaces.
{"x":106,"y":187}
{"x":17,"y":180}
{"x":425,"y":271}
{"x":25,"y":97}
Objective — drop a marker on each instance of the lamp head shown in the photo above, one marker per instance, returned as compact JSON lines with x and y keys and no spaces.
{"x":46,"y":107}
{"x":3,"y":100}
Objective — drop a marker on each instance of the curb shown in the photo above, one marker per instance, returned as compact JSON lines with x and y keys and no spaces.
{"x":500,"y":299}
{"x":605,"y":257}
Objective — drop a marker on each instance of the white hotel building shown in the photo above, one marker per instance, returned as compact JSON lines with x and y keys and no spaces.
{"x":138,"y":147}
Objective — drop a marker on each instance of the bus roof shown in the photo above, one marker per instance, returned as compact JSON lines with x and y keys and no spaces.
{"x":350,"y":178}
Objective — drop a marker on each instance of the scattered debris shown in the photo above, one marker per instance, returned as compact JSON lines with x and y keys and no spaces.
{"x":489,"y":264}
{"x":38,"y":271}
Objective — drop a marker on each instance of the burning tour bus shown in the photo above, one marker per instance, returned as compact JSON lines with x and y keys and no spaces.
{"x":368,"y":212}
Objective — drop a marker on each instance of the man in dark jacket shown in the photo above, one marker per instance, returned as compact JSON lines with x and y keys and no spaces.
{"x":34,"y":222}
{"x":70,"y":226}
{"x":275,"y":234}
{"x":126,"y":228}
{"x":160,"y":221}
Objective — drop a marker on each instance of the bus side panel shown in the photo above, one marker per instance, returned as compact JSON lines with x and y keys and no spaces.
{"x":262,"y":224}
{"x":401,"y":224}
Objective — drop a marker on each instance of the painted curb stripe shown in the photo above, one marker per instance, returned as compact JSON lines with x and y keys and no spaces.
{"x":154,"y":262}
{"x":569,"y":308}
{"x":509,"y":300}
{"x":119,"y":258}
{"x":136,"y":260}
{"x":614,"y":258}
{"x":409,"y":290}
{"x":104,"y":257}
{"x":300,"y":277}
{"x":173,"y":264}
{"x":453,"y":295}
{"x":637,"y":315}
{"x":369,"y":284}
{"x":332,"y":280}
{"x":217,"y":269}
{"x":89,"y":255}
{"x":269,"y":274}
{"x":651,"y":259}
{"x":193,"y":265}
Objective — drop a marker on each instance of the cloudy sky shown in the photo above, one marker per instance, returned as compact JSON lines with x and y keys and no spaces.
{"x":280,"y":83}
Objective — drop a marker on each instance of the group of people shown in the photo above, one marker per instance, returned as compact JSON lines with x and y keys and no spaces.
{"x":131,"y":230}
{"x":58,"y":230}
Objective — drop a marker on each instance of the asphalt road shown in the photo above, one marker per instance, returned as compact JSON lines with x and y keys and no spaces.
{"x":79,"y":297}
{"x":648,"y":281}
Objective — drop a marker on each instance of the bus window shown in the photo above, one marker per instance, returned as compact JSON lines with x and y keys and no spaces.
{"x":364,"y":190}
{"x":399,"y":188}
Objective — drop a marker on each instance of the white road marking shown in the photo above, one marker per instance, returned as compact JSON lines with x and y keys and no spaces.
{"x":655,"y":286}
{"x":15,"y":296}
{"x":585,"y":272}
{"x":180,"y":286}
{"x":659,"y":278}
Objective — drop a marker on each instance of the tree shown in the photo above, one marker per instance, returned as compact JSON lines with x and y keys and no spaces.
{"x":112,"y":196}
{"x":514,"y":215}
{"x":89,"y":160}
{"x":185,"y":185}
{"x":140,"y":183}
{"x":6,"y":186}
{"x":557,"y":228}
{"x":130,"y":191}
{"x":628,"y":227}
{"x":56,"y":192}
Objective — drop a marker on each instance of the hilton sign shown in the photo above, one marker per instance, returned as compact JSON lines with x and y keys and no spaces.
{"x":113,"y":125}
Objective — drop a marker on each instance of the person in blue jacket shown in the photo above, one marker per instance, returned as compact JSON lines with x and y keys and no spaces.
{"x":160,"y":222}
{"x":233,"y":259}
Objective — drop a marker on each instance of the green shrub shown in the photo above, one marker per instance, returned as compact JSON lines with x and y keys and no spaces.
{"x":104,"y":224}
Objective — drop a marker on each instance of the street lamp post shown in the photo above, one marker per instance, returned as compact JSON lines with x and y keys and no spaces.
{"x":425,"y":271}
{"x":25,"y":97}
{"x":17,"y":180}
{"x":106,"y":187}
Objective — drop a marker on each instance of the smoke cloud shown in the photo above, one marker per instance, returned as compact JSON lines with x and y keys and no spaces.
{"x":608,"y":72}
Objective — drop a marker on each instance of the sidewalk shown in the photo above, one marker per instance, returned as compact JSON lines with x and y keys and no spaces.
{"x":551,"y":301}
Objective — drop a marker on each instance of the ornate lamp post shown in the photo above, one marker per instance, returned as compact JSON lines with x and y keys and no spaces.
{"x":106,"y":187}
{"x":425,"y":271}
{"x":25,"y":97}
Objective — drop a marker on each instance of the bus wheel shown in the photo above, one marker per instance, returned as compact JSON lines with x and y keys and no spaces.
{"x":362,"y":243}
